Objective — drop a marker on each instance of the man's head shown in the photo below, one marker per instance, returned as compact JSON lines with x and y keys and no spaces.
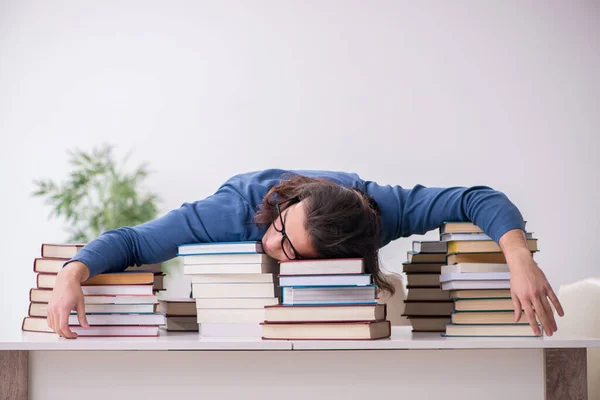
{"x":317,"y":218}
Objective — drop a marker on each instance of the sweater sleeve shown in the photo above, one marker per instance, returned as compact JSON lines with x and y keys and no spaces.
{"x":405,"y":212}
{"x":219,"y":217}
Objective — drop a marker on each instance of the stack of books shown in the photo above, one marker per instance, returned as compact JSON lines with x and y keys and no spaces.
{"x":477,"y":279}
{"x":427,"y":306}
{"x":231,"y":284}
{"x":116,"y":304}
{"x":180,"y":313}
{"x":326,"y":299}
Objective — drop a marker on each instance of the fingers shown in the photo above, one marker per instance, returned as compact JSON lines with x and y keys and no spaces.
{"x":555,"y":302}
{"x":541,"y":309}
{"x":531,"y":317}
{"x":81,"y":313}
{"x":517,"y":307}
{"x":63,"y":325}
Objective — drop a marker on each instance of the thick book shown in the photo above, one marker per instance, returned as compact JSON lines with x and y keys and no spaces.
{"x":487,"y":317}
{"x":423,"y":280}
{"x":232,"y":278}
{"x":233,"y":290}
{"x":308,"y":295}
{"x":234,"y":258}
{"x":475,"y":267}
{"x":40,"y":324}
{"x":327,"y":330}
{"x":325,"y":280}
{"x":328,"y":266}
{"x":60,"y":250}
{"x":413,"y":257}
{"x":231,"y":269}
{"x":182,"y":324}
{"x":475,"y":276}
{"x":323,"y":313}
{"x":48,"y":281}
{"x":483,"y":304}
{"x":429,"y":323}
{"x":420,"y":268}
{"x":482,"y":246}
{"x":431,"y":308}
{"x":44,"y":295}
{"x":476,"y":258}
{"x":506,"y":330}
{"x":41,"y":309}
{"x":252,"y":330}
{"x":257,"y":302}
{"x":459,"y":227}
{"x":446,"y":237}
{"x":423,"y":294}
{"x":120,"y":319}
{"x":175,"y":306}
{"x":231,"y":315}
{"x":220,"y":248}
{"x":480,"y":294}
{"x":477,"y":284}
{"x":428,"y":246}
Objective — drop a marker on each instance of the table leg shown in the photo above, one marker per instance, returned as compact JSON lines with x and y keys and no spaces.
{"x":13,"y":374}
{"x":566,"y":374}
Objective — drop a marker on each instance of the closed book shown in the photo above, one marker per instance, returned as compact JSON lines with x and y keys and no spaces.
{"x":419,"y":268}
{"x":437,"y":308}
{"x":423,"y":294}
{"x":60,"y":250}
{"x":120,"y":319}
{"x":447,"y":237}
{"x":44,"y":295}
{"x":231,"y":315}
{"x":506,"y":330}
{"x":182,"y":324}
{"x":428,"y":246}
{"x":177,"y":306}
{"x":234,"y":258}
{"x":220,"y":248}
{"x":325,"y":280}
{"x":327,"y":330}
{"x":249,"y":330}
{"x":483,"y":304}
{"x":308,"y":295}
{"x":459,"y":227}
{"x":233,"y":290}
{"x":487,"y":317}
{"x":476,"y":258}
{"x":429,"y":324}
{"x":476,"y":284}
{"x":257,"y":302}
{"x":423,"y":280}
{"x":232,"y":278}
{"x":479,"y":294}
{"x":118,"y":290}
{"x":320,"y":313}
{"x":475,"y":276}
{"x":41,"y":309}
{"x":413,"y":257}
{"x":327,"y":266}
{"x":482,"y":246}
{"x":474,"y":268}
{"x":40,"y":324}
{"x":231,"y":269}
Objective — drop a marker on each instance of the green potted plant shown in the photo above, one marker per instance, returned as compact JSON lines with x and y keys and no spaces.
{"x":99,"y":194}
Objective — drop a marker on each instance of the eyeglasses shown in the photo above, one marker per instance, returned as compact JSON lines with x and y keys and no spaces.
{"x":290,"y":252}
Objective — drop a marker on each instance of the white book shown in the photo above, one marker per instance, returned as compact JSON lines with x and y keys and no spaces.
{"x":474,"y":267}
{"x":231,"y":315}
{"x":118,"y":290}
{"x":328,"y":295}
{"x":479,"y":284}
{"x":253,"y":330}
{"x":232,"y":278}
{"x":120,"y":319}
{"x":223,"y":269}
{"x":446,"y":237}
{"x":257,"y":302}
{"x":118,"y":309}
{"x":325,"y":280}
{"x":235,"y":290}
{"x":220,"y":248}
{"x":475,"y":276}
{"x":241,"y":258}
{"x":116,"y":330}
{"x":322,"y":266}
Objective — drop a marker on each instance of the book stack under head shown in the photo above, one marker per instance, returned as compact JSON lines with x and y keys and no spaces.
{"x":326,"y":299}
{"x":231,"y":284}
{"x":427,"y":306}
{"x":477,"y":279}
{"x":116,"y":304}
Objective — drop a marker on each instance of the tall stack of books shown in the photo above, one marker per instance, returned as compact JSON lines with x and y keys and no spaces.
{"x":326,"y":299}
{"x":116,"y":304}
{"x":231,"y":284}
{"x":180,"y":313}
{"x":427,"y":306}
{"x":477,"y":279}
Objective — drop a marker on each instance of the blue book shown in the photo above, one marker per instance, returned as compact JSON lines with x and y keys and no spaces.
{"x":249,"y":247}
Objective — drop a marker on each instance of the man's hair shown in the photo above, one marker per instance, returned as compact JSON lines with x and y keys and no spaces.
{"x":342,"y":222}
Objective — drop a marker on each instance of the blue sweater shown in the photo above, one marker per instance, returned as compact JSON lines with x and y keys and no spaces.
{"x":226,"y":216}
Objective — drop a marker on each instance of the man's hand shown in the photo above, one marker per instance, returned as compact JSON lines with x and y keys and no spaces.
{"x":67,"y":296}
{"x":529,"y":287}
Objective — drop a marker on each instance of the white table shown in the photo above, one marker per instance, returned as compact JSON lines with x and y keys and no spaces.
{"x":419,"y":366}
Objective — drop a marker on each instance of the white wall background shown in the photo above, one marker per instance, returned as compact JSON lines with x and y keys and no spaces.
{"x":504,"y":94}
